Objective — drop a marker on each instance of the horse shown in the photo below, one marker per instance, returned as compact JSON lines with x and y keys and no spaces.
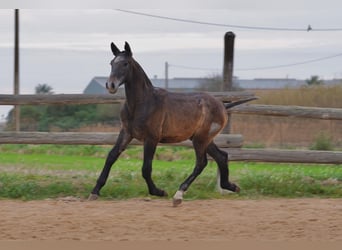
{"x":154,"y":115}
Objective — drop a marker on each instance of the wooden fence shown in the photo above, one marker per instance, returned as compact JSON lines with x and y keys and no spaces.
{"x":230,"y":143}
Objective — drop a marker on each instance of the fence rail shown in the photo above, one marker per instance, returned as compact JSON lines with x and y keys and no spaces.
{"x":285,"y":156}
{"x":72,"y":138}
{"x":97,"y":99}
{"x":293,"y":111}
{"x":252,"y":109}
{"x":229,"y":143}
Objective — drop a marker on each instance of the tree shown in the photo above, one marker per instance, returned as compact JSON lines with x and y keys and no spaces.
{"x":62,"y":117}
{"x":44,"y":89}
{"x":214,"y":83}
{"x":314,"y":80}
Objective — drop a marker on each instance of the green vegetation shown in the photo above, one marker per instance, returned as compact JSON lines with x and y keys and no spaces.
{"x":314,"y":80}
{"x":322,"y":142}
{"x":39,"y":172}
{"x":62,"y":117}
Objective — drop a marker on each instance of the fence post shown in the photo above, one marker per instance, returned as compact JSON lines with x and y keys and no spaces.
{"x":228,"y":63}
{"x":166,"y":75}
{"x":16,"y":68}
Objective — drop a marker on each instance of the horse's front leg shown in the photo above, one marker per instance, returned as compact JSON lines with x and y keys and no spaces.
{"x":201,"y":162}
{"x":149,"y":150}
{"x":123,"y":140}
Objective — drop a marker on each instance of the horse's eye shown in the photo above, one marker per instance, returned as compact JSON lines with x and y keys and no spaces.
{"x":126,"y":64}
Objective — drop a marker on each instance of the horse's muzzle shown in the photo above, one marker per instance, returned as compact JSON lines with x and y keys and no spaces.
{"x":112,"y":87}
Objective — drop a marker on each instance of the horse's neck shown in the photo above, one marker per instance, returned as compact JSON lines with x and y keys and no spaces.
{"x":138,"y":88}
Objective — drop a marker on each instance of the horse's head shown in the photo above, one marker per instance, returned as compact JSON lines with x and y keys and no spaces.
{"x":121,"y":65}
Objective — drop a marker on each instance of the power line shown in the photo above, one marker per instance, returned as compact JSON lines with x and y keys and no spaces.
{"x":290,"y":64}
{"x":308,"y":28}
{"x":192,"y":68}
{"x":260,"y":68}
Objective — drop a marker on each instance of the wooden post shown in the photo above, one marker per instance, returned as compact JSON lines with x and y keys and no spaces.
{"x":228,"y":63}
{"x":166,"y":75}
{"x":16,"y":68}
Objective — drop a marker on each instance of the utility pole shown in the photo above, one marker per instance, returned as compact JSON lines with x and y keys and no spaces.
{"x":166,"y":75}
{"x":16,"y":68}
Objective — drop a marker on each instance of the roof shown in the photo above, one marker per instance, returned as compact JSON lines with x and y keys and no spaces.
{"x":269,"y":83}
{"x":98,"y":84}
{"x":178,"y":83}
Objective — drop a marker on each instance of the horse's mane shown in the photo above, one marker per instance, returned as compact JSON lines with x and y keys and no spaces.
{"x":140,"y":69}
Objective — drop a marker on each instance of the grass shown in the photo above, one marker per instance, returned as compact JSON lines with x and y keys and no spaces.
{"x":280,"y":132}
{"x":30,"y":172}
{"x":313,"y":96}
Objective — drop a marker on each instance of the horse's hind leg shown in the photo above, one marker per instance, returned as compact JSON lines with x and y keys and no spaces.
{"x":123,"y":140}
{"x":221,"y":159}
{"x":201,"y":162}
{"x":149,"y":150}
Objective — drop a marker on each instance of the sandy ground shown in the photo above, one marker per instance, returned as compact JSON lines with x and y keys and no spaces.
{"x":139,"y":219}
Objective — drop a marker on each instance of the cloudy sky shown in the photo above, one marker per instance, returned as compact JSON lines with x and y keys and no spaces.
{"x":66,"y":47}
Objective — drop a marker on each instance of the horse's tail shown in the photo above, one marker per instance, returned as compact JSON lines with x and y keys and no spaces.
{"x":233,"y":104}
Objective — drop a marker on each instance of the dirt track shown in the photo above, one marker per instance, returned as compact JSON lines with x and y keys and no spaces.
{"x":222,"y":220}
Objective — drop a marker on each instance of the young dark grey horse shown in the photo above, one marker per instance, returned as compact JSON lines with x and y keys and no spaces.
{"x":154,"y":115}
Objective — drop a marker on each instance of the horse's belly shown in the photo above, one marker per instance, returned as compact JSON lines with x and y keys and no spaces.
{"x":173,"y":139}
{"x":180,"y":135}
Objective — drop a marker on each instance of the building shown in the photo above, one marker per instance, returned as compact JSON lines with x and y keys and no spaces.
{"x":98,"y":84}
{"x":269,"y":83}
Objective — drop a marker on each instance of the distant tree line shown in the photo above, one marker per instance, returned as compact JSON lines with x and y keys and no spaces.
{"x":314,"y":80}
{"x":62,"y":117}
{"x":214,"y":83}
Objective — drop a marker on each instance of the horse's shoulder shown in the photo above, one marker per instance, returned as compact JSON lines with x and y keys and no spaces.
{"x":160,"y":91}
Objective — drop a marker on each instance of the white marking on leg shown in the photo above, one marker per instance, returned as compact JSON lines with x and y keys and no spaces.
{"x":178,"y":195}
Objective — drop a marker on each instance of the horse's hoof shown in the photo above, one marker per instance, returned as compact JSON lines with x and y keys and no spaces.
{"x":176,"y":202}
{"x":160,"y":193}
{"x":93,"y":197}
{"x":237,"y":189}
{"x":178,"y":198}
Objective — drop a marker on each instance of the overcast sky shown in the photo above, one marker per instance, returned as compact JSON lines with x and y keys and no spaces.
{"x":67,"y":48}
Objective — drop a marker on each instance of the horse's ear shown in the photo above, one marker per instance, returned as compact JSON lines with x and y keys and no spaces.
{"x":115,"y":49}
{"x":128,"y":50}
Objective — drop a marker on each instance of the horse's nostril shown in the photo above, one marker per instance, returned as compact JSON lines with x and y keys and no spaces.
{"x":113,"y":86}
{"x":106,"y":85}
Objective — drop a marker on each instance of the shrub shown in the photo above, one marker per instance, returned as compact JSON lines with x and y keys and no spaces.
{"x":323,"y":141}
